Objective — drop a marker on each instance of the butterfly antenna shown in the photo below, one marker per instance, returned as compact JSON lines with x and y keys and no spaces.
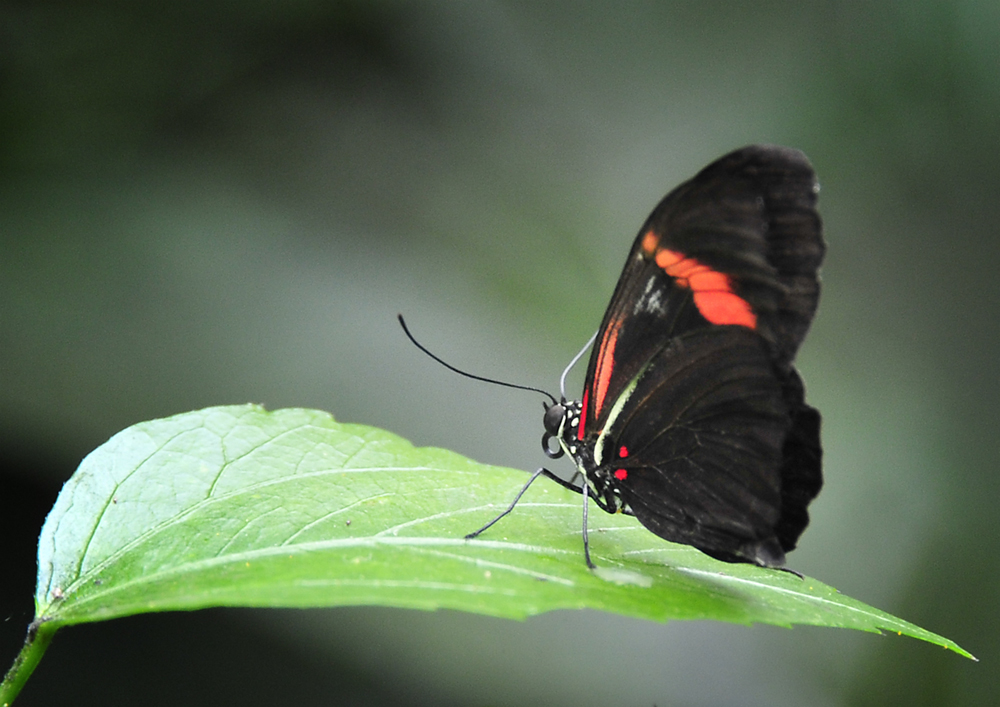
{"x":562,"y":378}
{"x":470,"y":375}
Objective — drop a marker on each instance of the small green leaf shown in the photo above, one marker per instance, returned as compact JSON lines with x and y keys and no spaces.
{"x":237,"y":506}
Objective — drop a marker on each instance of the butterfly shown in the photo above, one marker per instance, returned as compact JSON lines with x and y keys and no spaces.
{"x":693,"y":418}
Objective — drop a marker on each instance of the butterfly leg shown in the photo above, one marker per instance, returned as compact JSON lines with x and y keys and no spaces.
{"x":562,"y":482}
{"x":584,"y":490}
{"x":541,"y":472}
{"x":609,"y":505}
{"x":586,"y":538}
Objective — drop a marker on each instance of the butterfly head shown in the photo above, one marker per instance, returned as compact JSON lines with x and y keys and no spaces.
{"x":553,"y":422}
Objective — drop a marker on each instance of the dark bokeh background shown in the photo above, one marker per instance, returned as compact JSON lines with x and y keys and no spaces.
{"x":207,"y":203}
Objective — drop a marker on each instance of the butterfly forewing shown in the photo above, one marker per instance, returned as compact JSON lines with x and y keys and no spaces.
{"x":739,"y":244}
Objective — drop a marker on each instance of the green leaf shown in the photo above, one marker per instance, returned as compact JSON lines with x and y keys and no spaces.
{"x":237,"y":506}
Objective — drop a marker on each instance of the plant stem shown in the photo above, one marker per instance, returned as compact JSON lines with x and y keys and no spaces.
{"x":38,"y":639}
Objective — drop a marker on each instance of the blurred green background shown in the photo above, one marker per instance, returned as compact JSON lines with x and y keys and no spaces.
{"x":215,"y":202}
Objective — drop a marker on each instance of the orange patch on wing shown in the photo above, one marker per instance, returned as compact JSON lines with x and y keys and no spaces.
{"x":725,"y":308}
{"x":713,"y":291}
{"x":709,"y":281}
{"x":649,"y":243}
{"x":667,"y":259}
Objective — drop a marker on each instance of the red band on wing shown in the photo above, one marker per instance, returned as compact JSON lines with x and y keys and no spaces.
{"x":583,"y":415}
{"x":713,"y":291}
{"x":621,"y":474}
{"x":605,"y":365}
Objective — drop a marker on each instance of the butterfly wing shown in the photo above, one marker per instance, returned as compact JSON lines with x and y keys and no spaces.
{"x":739,"y":244}
{"x":692,"y":371}
{"x":695,"y":451}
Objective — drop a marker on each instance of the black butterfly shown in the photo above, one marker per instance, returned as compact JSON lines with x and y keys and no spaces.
{"x":693,"y":418}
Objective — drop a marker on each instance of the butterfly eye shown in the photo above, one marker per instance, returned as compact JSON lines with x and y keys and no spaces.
{"x":554,"y":415}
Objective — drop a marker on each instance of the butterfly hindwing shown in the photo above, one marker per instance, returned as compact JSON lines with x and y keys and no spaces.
{"x":695,"y":452}
{"x":802,"y":463}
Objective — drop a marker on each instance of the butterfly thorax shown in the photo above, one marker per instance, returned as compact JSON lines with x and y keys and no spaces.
{"x":562,"y":421}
